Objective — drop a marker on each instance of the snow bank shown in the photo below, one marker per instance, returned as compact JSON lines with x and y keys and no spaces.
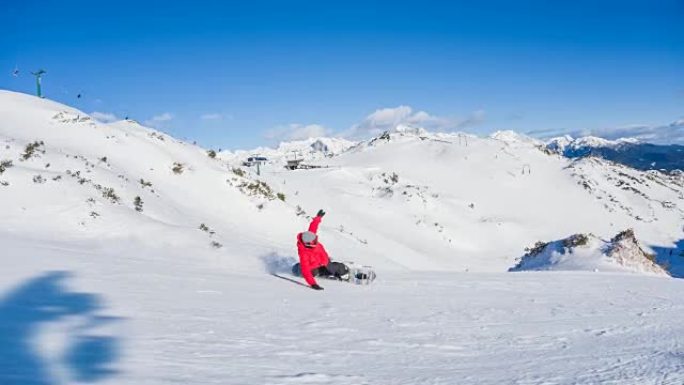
{"x":587,"y":252}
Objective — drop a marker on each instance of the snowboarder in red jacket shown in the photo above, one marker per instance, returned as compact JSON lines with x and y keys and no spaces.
{"x":313,"y":259}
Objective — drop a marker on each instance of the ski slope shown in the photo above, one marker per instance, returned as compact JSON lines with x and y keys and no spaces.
{"x":463,"y":203}
{"x":172,"y":319}
{"x":132,"y":257}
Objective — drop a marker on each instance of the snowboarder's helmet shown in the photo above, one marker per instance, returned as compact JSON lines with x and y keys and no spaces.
{"x":309,"y":239}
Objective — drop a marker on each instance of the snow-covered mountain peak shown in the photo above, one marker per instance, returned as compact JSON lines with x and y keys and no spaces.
{"x":510,"y":136}
{"x":328,"y":145}
{"x":585,"y":143}
{"x":559,"y":143}
{"x":631,"y":151}
{"x":592,"y":141}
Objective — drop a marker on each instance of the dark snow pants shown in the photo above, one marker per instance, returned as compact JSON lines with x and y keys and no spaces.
{"x":336,"y":269}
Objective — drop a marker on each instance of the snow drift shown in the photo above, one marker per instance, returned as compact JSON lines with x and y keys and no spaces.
{"x":587,"y":252}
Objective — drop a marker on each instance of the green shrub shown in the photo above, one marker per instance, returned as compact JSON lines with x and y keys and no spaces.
{"x":108,"y":193}
{"x":576,"y":240}
{"x":536,"y":249}
{"x":31,"y":149}
{"x":145,"y":183}
{"x":4,"y":165}
{"x":138,"y":204}
{"x":206,"y":229}
{"x":178,"y":168}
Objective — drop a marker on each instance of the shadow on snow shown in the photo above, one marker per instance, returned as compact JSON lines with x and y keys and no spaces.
{"x":41,"y":301}
{"x":672,"y":258}
{"x":275,"y":263}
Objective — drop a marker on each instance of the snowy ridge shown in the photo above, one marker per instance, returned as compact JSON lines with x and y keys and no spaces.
{"x":84,"y":178}
{"x":632,"y":152}
{"x":567,"y":144}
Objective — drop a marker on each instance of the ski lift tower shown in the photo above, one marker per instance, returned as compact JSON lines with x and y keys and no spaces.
{"x":38,"y":75}
{"x":258,"y":163}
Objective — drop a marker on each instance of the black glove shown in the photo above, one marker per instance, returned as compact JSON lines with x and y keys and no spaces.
{"x":316,"y":287}
{"x":320,"y":213}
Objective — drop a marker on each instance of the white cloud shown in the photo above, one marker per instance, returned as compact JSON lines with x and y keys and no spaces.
{"x":295,"y":131}
{"x":104,"y":117}
{"x":668,"y":134}
{"x":387,"y":118}
{"x":159,"y":120}
{"x":376,"y":123}
{"x":213,"y":116}
{"x":672,"y":133}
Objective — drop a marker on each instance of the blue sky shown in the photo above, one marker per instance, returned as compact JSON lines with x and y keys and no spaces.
{"x":240,"y":74}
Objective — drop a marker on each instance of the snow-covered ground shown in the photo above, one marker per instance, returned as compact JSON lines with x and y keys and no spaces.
{"x":131,"y":257}
{"x":164,"y":318}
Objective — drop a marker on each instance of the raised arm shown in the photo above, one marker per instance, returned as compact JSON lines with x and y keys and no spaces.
{"x":313,"y":226}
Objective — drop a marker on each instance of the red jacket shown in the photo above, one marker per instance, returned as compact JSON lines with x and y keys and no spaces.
{"x":311,"y":257}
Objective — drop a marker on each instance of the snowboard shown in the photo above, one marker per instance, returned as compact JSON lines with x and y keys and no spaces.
{"x":357,"y":274}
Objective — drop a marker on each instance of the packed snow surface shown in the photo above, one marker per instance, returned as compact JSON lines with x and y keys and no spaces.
{"x":132,"y":257}
{"x":167,"y":317}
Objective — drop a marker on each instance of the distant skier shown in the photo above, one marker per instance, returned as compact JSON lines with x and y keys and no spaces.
{"x":313,"y":259}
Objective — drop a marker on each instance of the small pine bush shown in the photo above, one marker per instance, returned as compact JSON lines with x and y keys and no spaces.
{"x":138,"y":204}
{"x":4,"y":165}
{"x":108,"y":193}
{"x":178,"y":168}
{"x":145,"y":183}
{"x":239,"y":172}
{"x":31,"y":149}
